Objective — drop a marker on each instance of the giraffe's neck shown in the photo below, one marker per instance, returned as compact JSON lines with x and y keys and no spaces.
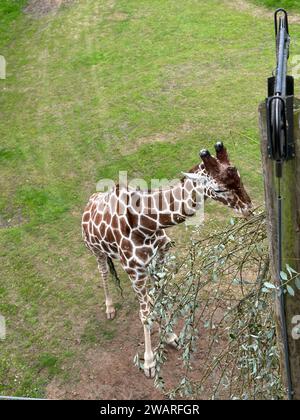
{"x":174,"y":205}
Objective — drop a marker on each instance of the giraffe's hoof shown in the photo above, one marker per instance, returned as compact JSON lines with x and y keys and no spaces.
{"x":174,"y":344}
{"x":149,"y":368}
{"x":110,"y":314}
{"x":149,"y":371}
{"x":173,"y":341}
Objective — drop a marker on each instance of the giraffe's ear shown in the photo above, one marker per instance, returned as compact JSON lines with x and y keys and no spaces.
{"x":211,"y":164}
{"x":221,"y":152}
{"x":195,"y":177}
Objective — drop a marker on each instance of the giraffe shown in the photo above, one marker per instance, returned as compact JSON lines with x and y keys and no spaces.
{"x":129,"y":225}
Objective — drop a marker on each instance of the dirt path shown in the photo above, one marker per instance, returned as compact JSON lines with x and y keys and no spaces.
{"x":246,"y":6}
{"x":39,"y":8}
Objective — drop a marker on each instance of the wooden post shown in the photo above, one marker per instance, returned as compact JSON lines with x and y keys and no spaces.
{"x":290,"y":192}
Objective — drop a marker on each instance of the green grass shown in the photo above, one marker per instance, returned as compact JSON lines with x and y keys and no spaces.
{"x":289,"y":5}
{"x":140,"y":86}
{"x":95,"y":332}
{"x":10,"y":11}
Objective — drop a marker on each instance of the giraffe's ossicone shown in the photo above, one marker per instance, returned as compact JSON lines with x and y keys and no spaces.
{"x":129,"y":224}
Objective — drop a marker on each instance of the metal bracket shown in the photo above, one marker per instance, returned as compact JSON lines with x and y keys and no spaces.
{"x":280,"y":100}
{"x":280,"y":126}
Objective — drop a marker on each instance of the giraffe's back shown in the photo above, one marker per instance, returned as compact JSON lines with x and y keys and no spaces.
{"x":96,"y":226}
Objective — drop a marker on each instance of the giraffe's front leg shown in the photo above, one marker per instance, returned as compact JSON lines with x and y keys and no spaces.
{"x":149,"y":363}
{"x":139,"y":283}
{"x":165,"y":244}
{"x":171,"y":338}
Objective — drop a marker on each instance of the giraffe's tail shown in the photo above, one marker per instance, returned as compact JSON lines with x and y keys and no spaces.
{"x":114,"y":274}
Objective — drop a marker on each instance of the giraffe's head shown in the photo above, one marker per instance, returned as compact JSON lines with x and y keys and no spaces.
{"x":225,"y":184}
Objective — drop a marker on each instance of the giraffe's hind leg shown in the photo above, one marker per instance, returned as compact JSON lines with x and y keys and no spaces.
{"x":103,"y":269}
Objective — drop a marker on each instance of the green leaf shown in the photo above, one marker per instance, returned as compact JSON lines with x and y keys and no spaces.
{"x":283,"y":275}
{"x":297,"y":282}
{"x":290,"y":269}
{"x":269,"y":285}
{"x":290,"y":290}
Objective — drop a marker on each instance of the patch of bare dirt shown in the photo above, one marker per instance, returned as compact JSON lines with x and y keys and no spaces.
{"x":39,"y":8}
{"x":118,"y":17}
{"x":107,"y":371}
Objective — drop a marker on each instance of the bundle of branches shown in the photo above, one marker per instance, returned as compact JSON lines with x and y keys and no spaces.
{"x":214,"y":297}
